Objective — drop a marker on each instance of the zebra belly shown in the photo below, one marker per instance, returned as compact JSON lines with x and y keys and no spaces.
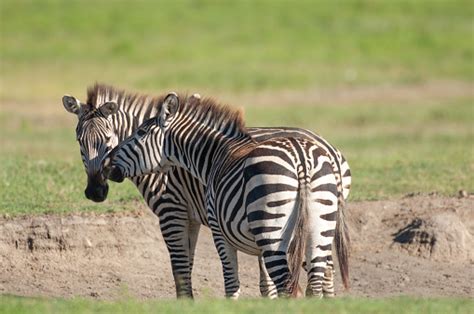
{"x":232,"y":218}
{"x":240,"y":237}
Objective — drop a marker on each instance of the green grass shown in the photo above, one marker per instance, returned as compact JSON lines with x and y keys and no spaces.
{"x":51,"y":47}
{"x":405,"y":305}
{"x":393,"y":149}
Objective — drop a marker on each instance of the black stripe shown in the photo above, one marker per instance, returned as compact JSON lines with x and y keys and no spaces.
{"x":273,"y":263}
{"x":262,"y":215}
{"x":263,"y":190}
{"x":266,"y":168}
{"x":265,"y":151}
{"x":317,"y":269}
{"x":260,"y":230}
{"x":329,"y":233}
{"x":324,"y":202}
{"x":319,"y":259}
{"x":325,"y":187}
{"x":329,"y":217}
{"x":326,"y":169}
{"x":263,"y":242}
{"x":279,"y":203}
{"x":273,"y":253}
{"x":325,"y":247}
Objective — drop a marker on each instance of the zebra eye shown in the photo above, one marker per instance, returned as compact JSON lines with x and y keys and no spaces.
{"x":141,"y":132}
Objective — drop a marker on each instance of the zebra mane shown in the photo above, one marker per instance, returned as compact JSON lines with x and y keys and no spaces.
{"x":207,"y":110}
{"x":214,"y":114}
{"x":99,"y":93}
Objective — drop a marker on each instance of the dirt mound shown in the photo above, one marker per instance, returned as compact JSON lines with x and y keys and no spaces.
{"x":112,"y":256}
{"x":442,"y":237}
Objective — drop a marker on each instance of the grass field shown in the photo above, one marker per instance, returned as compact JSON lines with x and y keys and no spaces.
{"x":415,"y":306}
{"x":52,"y":47}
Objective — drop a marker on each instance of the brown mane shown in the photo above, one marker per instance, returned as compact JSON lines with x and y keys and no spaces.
{"x":222,"y":116}
{"x":98,"y":93}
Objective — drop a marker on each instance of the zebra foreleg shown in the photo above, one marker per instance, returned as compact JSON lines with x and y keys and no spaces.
{"x":267,"y":287}
{"x":176,"y":236}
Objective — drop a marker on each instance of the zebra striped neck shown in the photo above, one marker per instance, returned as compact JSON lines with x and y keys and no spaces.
{"x":201,"y":149}
{"x":202,"y":134}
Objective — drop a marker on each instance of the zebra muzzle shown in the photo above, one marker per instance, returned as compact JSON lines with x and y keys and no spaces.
{"x":96,"y":189}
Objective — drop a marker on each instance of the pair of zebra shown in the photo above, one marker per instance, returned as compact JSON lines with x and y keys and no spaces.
{"x":270,"y":192}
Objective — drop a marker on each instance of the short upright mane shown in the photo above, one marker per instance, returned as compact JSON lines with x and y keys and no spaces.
{"x":214,"y":114}
{"x":99,"y":93}
{"x":207,"y":109}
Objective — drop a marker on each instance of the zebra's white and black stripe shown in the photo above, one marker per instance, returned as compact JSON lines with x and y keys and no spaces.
{"x":277,"y":199}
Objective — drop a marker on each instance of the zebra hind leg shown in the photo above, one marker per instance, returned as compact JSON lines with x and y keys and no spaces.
{"x":276,"y":265}
{"x":328,"y":280}
{"x":267,"y":287}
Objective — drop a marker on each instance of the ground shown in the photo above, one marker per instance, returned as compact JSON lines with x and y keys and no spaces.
{"x":109,"y":256}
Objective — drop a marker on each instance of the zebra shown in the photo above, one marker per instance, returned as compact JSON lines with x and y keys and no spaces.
{"x":277,"y":199}
{"x":108,"y":116}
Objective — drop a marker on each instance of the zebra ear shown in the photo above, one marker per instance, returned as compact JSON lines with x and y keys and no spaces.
{"x":170,"y":107}
{"x":108,"y":108}
{"x":71,"y":104}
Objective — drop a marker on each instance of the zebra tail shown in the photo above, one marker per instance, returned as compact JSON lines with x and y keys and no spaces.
{"x":297,"y":247}
{"x":342,"y":240}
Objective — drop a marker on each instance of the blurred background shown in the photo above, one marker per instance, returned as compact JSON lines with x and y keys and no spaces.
{"x":387,"y":82}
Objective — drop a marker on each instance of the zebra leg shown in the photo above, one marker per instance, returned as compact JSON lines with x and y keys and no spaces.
{"x":230,"y":268}
{"x":323,"y":214}
{"x":193,"y":231}
{"x":276,"y":264}
{"x":176,"y":236}
{"x":328,"y":280}
{"x":318,"y":257}
{"x":267,"y":288}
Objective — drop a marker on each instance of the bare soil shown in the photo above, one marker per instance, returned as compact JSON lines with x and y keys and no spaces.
{"x":417,"y":246}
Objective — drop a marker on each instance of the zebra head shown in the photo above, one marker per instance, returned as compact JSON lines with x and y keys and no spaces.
{"x":96,"y":137}
{"x":143,"y":152}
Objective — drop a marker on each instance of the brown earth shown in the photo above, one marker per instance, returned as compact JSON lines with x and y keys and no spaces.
{"x":417,"y":246}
